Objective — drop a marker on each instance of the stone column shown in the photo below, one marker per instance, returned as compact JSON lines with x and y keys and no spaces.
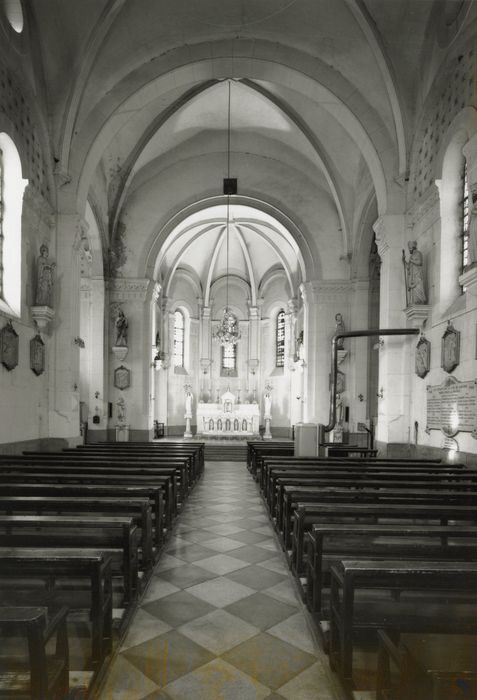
{"x":136,"y":296}
{"x":64,"y":419}
{"x":322,"y":299}
{"x":357,"y":359}
{"x":254,"y":315}
{"x":393,"y":402}
{"x":161,"y":406}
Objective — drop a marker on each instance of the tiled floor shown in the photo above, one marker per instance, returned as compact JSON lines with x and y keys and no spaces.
{"x":220,"y":619}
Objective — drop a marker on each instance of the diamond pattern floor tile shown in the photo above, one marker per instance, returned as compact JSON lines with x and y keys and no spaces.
{"x":217,"y":680}
{"x":261,"y":610}
{"x":269,"y":660}
{"x":178,"y":608}
{"x":143,"y":628}
{"x":220,"y":619}
{"x":220,"y":591}
{"x":221,"y":564}
{"x":168,"y":657}
{"x":218,"y":631}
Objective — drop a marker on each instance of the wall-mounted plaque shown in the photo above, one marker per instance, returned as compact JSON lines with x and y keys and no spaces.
{"x":122,"y":377}
{"x":450,"y":348}
{"x":9,"y":346}
{"x":37,"y":355}
{"x":423,"y":357}
{"x":452,"y":407}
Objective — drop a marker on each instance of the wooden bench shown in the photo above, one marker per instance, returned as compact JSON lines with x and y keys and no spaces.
{"x":76,"y":565}
{"x":168,"y":474}
{"x":350,"y":451}
{"x":350,"y":612}
{"x":115,"y":535}
{"x":306,"y":515}
{"x":73,"y":491}
{"x":67,"y":477}
{"x":429,"y":666}
{"x":342,"y":471}
{"x":43,"y":676}
{"x":138,"y":508}
{"x":328,"y":543}
{"x":367,"y":491}
{"x":195,"y":456}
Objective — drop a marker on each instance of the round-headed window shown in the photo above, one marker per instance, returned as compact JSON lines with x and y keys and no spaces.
{"x":14,"y":13}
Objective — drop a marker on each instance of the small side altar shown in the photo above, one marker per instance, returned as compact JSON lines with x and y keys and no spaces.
{"x":228,"y":417}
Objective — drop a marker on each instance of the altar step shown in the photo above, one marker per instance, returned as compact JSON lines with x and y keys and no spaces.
{"x":225,"y":453}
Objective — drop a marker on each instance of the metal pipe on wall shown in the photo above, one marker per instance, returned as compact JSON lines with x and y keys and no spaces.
{"x":334,"y":365}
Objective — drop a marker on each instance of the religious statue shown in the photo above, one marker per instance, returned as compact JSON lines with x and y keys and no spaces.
{"x":121,"y":329}
{"x":340,"y":328}
{"x":44,"y":278}
{"x":188,"y":403}
{"x":298,"y":347}
{"x":121,"y":410}
{"x":267,"y":401}
{"x":414,"y":275}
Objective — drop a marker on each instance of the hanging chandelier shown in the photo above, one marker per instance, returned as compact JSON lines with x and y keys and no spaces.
{"x":227,"y":332}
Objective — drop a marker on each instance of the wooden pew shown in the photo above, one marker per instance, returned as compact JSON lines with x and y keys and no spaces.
{"x":98,"y":466}
{"x":371,"y":490}
{"x":147,"y":450}
{"x":68,"y":477}
{"x":328,"y":543}
{"x":255,"y":449}
{"x":124,"y":460}
{"x":116,"y":535}
{"x":306,"y":515}
{"x":299,"y":469}
{"x":77,"y":565}
{"x":138,"y":508}
{"x":430,"y":666}
{"x":154,"y":494}
{"x":336,"y":450}
{"x":43,"y":676}
{"x":350,"y":612}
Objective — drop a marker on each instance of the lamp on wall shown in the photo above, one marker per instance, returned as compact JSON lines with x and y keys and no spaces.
{"x":227,"y":332}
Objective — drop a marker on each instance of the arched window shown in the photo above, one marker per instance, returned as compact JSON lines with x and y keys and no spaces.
{"x":464,"y":232}
{"x":228,"y":361}
{"x":280,"y":339}
{"x":12,"y":186}
{"x":178,"y":350}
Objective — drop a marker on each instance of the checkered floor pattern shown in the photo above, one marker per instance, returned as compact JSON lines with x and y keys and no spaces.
{"x":220,"y":619}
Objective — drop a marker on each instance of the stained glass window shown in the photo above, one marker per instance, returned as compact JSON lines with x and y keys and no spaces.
{"x":280,"y":339}
{"x":229,"y":357}
{"x":464,"y":261}
{"x":178,"y":352}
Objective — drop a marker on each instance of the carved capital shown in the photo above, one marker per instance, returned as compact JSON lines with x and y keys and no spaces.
{"x":127,"y":288}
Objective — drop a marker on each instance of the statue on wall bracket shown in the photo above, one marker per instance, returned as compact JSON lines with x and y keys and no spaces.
{"x":414,"y":275}
{"x":450,"y":348}
{"x":9,"y":346}
{"x":37,"y":355}
{"x":423,"y":357}
{"x":122,"y":377}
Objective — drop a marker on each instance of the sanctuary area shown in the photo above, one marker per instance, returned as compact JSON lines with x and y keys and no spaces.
{"x":238,"y":233}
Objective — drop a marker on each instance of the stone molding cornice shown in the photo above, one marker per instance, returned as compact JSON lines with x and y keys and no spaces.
{"x":127,"y":288}
{"x":324,"y":291}
{"x":423,"y":205}
{"x":360,"y":284}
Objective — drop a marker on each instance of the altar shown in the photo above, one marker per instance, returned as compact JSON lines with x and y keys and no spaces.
{"x":228,"y":418}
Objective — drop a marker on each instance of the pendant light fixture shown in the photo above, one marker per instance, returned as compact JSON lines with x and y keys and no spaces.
{"x":227,"y":332}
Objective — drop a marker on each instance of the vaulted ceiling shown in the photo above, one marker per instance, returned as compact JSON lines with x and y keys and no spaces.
{"x":324,"y":102}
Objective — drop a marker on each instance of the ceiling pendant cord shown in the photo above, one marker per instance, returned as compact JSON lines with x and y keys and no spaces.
{"x":228,"y":199}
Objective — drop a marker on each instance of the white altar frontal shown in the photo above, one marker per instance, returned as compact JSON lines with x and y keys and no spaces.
{"x":228,"y":418}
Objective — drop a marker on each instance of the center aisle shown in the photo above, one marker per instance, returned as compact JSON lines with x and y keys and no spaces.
{"x":220,"y":619}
